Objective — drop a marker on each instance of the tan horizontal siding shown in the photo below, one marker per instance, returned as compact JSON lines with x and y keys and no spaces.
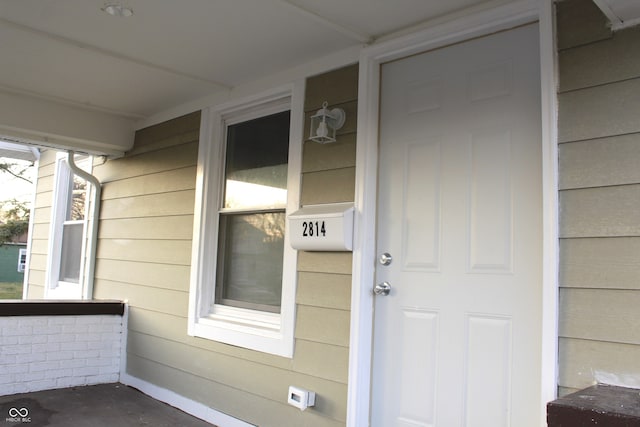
{"x":153,"y":275}
{"x":322,"y":360}
{"x":36,"y":283}
{"x":600,"y":212}
{"x":580,"y":22}
{"x":38,"y":261}
{"x":155,"y":135}
{"x":175,"y":252}
{"x":47,"y":163}
{"x":40,"y":219}
{"x":600,"y":162}
{"x":45,"y":184}
{"x":43,"y":200}
{"x":40,"y":231}
{"x":40,"y":246}
{"x":599,"y":111}
{"x":159,"y":324}
{"x":599,"y":199}
{"x":583,"y":361}
{"x":606,"y":263}
{"x":600,"y":314}
{"x":319,"y":157}
{"x":166,"y":142}
{"x":36,"y":291}
{"x":329,"y":186}
{"x":172,"y":327}
{"x":156,"y":299}
{"x":178,"y":227}
{"x":246,"y":406}
{"x":256,"y":379}
{"x":157,"y":183}
{"x":174,"y":157}
{"x":323,"y":325}
{"x":324,"y":290}
{"x":335,"y":87}
{"x":601,"y":62}
{"x":325,"y":262}
{"x":154,"y":205}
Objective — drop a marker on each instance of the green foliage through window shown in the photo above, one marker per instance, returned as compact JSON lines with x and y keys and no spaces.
{"x":14,"y":221}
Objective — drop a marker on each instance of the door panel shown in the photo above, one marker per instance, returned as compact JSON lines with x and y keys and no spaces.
{"x":421,"y":215}
{"x":457,"y":341}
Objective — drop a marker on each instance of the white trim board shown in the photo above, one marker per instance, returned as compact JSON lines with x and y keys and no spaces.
{"x":550,"y":244}
{"x":189,"y":406}
{"x":364,"y":253}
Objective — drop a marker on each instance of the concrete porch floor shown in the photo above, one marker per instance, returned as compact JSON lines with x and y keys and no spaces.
{"x":104,"y":405}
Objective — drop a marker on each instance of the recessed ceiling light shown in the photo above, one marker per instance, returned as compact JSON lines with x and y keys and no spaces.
{"x":118,"y":10}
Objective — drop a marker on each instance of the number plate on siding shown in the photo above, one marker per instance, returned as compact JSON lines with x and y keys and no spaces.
{"x":322,"y":227}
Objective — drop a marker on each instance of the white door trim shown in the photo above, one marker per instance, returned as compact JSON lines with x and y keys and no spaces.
{"x":364,"y":253}
{"x":550,"y":243}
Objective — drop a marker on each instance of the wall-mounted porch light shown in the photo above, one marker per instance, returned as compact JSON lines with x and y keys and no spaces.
{"x":324,"y":124}
{"x":118,"y":10}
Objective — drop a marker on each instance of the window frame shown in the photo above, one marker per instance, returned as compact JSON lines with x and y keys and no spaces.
{"x":22,"y":260}
{"x":252,"y":329}
{"x":63,"y":180}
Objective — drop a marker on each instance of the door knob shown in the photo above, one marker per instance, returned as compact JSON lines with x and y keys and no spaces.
{"x":382,"y":289}
{"x":385,"y":258}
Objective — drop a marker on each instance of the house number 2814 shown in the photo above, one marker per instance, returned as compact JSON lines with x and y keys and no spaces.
{"x":313,"y":228}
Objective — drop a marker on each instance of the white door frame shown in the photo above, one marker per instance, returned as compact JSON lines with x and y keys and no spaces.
{"x":364,"y":254}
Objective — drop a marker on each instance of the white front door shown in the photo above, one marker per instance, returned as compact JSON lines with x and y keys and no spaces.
{"x":457,"y":340}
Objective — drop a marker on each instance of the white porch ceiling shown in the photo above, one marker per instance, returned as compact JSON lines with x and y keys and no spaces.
{"x":170,"y":52}
{"x":69,"y":53}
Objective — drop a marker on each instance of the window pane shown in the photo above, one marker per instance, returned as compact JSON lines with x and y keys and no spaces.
{"x":77,"y":197}
{"x":70,"y":254}
{"x":250,"y":257}
{"x":256,"y":163}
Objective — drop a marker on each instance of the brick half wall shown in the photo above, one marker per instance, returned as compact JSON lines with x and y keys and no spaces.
{"x":41,"y":352}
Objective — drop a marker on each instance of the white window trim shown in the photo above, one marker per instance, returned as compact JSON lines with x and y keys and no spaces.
{"x":55,"y":288}
{"x":267,"y":332}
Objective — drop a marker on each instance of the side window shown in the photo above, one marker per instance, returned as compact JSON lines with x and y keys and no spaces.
{"x":68,"y":231}
{"x":22,"y":260}
{"x":243,"y":268}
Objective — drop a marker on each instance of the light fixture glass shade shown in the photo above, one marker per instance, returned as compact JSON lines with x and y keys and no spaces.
{"x":118,"y":10}
{"x":324,"y":124}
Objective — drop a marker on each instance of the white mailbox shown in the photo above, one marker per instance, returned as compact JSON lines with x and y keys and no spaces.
{"x":322,"y":227}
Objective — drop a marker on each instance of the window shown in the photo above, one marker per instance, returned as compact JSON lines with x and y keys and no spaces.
{"x":22,"y":260}
{"x":243,"y":270}
{"x":68,"y":231}
{"x":252,"y":218}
